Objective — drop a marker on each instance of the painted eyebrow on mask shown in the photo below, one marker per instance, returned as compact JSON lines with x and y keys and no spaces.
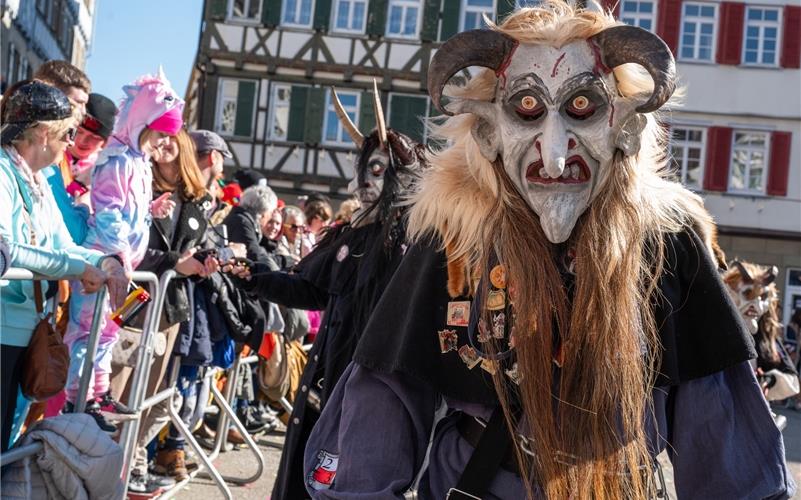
{"x":524,"y":82}
{"x":582,"y":81}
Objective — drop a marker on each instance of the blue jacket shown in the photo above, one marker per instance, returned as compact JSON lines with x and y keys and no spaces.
{"x":54,"y":255}
{"x":75,"y":216}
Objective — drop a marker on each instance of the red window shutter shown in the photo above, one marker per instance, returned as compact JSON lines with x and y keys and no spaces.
{"x":668,"y":24}
{"x":730,"y":36}
{"x":718,"y":157}
{"x":791,"y":34}
{"x":779,"y":169}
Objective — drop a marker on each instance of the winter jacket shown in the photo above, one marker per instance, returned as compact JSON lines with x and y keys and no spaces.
{"x":77,"y":462}
{"x":166,"y":246}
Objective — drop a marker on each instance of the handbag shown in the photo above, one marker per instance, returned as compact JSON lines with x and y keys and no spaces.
{"x":46,"y":360}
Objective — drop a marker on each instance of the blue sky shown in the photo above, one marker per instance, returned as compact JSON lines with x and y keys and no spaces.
{"x":133,"y":37}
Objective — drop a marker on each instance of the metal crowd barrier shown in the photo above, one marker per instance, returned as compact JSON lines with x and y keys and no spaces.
{"x":18,"y":274}
{"x":130,"y":431}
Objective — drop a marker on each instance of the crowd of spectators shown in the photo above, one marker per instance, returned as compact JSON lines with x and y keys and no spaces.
{"x":95,"y":191}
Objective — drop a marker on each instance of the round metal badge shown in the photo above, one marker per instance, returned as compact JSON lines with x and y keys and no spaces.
{"x":193,"y":224}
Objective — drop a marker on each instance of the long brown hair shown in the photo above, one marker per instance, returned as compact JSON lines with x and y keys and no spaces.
{"x":594,"y":444}
{"x":190,"y":181}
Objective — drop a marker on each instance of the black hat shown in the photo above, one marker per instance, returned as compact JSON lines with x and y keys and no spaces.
{"x":31,"y":103}
{"x":100,"y":113}
{"x":247,"y":178}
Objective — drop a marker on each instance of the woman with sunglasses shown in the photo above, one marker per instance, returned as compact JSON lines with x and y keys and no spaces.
{"x":291,"y":245}
{"x":38,"y":125}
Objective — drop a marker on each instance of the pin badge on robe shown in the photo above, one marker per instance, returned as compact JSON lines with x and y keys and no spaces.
{"x":498,"y":276}
{"x":489,"y":366}
{"x":496,"y":300}
{"x":458,"y":313}
{"x":342,"y":253}
{"x":193,"y":224}
{"x":483,"y":331}
{"x":447,"y":340}
{"x":498,"y":325}
{"x":469,"y":356}
{"x":514,"y":374}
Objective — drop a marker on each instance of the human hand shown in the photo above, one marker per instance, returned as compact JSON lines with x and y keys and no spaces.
{"x":188,"y":265}
{"x":92,"y":279}
{"x":210,"y":266}
{"x":237,"y":269}
{"x":117,"y":281}
{"x":162,"y":206}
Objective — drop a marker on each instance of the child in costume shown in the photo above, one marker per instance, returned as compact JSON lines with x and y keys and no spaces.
{"x":558,"y":320}
{"x":121,"y":197}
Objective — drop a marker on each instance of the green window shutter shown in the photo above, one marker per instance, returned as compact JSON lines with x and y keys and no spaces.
{"x":450,"y":18}
{"x":505,"y":7}
{"x":209,"y":102}
{"x":322,"y":14}
{"x":430,"y":20}
{"x":377,"y":17}
{"x":406,"y":114}
{"x":271,"y":12}
{"x":315,"y":110}
{"x":245,"y":107}
{"x":366,"y":113}
{"x":297,"y":113}
{"x":218,"y":9}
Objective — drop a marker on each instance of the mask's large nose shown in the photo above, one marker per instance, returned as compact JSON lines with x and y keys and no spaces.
{"x":553,"y":146}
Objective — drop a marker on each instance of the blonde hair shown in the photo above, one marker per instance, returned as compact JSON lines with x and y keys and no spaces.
{"x":473,"y":209}
{"x":190,"y":181}
{"x":56,"y":129}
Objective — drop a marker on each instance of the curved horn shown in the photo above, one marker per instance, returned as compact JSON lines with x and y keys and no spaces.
{"x":631,"y":44}
{"x":773,"y":272}
{"x":350,"y":128}
{"x":743,"y":271}
{"x":381,"y":124}
{"x":485,"y":48}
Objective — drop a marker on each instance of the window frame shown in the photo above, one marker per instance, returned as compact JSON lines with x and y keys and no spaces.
{"x":274,"y":86}
{"x":637,"y":16}
{"x":298,"y":25}
{"x":349,"y":31}
{"x":686,"y":144}
{"x":763,"y":24}
{"x":697,"y":19}
{"x":419,"y":20}
{"x":765,"y":160}
{"x":464,"y":8}
{"x":219,"y":107}
{"x":229,"y":13}
{"x":331,"y":111}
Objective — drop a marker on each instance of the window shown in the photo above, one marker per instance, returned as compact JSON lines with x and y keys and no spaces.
{"x":698,"y":31}
{"x":403,"y":20}
{"x":333,"y":132}
{"x":245,"y":10}
{"x":406,"y":114}
{"x":473,"y":12}
{"x":24,"y":70}
{"x":687,"y":155}
{"x":761,"y":36}
{"x":236,"y":103}
{"x":298,"y":13}
{"x":350,"y":16}
{"x":279,"y":112}
{"x":519,"y":4}
{"x":749,"y":162}
{"x":638,"y":13}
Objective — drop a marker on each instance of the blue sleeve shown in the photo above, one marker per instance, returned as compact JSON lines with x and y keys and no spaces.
{"x":75,"y":216}
{"x":722,"y":439}
{"x":372,"y":435}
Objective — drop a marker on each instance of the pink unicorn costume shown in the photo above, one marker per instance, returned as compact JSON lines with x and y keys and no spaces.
{"x":120,"y":225}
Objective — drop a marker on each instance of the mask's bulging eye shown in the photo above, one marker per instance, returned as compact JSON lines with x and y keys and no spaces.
{"x":376,"y":168}
{"x":580,"y":107}
{"x":528,"y":107}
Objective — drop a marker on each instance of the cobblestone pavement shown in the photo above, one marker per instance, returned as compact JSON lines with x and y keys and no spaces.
{"x":240,"y":462}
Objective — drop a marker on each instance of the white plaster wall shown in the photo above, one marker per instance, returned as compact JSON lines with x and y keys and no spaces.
{"x":231,"y":35}
{"x":339,"y":47}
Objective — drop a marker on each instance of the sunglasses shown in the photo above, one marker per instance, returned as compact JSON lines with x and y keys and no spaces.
{"x":295,"y":227}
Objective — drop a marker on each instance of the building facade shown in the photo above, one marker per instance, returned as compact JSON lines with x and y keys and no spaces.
{"x":264,"y":67}
{"x":35,"y":31}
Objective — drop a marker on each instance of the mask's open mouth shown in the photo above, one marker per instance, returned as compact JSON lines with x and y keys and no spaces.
{"x":751,"y":312}
{"x":576,"y":172}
